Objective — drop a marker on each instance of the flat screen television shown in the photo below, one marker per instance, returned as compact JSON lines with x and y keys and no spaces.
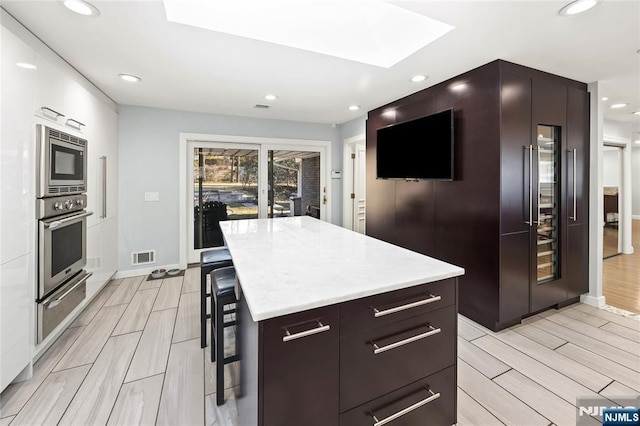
{"x":417,"y":149}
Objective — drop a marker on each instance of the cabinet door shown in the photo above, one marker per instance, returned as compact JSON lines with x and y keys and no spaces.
{"x":77,"y":105}
{"x":50,"y":88}
{"x":515,"y":96}
{"x":16,"y":153}
{"x":301,"y":368}
{"x":577,"y":260}
{"x":577,"y":171}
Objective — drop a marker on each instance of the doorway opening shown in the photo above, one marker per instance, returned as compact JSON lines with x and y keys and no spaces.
{"x":612,"y":183}
{"x":354,"y":184}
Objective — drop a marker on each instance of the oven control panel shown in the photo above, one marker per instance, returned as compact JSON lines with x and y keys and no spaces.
{"x":54,"y":206}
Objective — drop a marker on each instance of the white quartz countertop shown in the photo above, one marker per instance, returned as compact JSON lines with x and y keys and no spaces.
{"x":291,"y":264}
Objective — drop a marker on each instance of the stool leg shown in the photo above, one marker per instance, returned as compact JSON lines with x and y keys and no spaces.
{"x":214,"y":320}
{"x":219,"y":349}
{"x":203,"y":308}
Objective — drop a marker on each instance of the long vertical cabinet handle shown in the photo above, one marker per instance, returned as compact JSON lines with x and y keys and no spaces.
{"x":574,"y":153}
{"x":104,"y":187}
{"x":538,"y":222}
{"x":530,"y":149}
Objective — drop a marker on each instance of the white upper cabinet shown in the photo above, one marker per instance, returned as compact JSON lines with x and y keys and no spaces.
{"x":50,"y":85}
{"x":59,"y":98}
{"x":16,"y":151}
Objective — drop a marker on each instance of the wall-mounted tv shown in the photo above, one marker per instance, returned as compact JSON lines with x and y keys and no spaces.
{"x":421,"y":148}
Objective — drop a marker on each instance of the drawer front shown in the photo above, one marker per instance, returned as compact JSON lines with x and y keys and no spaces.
{"x":386,"y":358}
{"x":375,"y":311}
{"x":430,"y":401}
{"x":301,"y":368}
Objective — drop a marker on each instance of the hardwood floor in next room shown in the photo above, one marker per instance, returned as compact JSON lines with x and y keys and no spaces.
{"x":621,"y":276}
{"x":133,"y":357}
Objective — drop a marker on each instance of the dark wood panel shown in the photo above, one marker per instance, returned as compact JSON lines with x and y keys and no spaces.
{"x":366,"y":375}
{"x":414,"y":223}
{"x":467,"y":210}
{"x":381,"y":209}
{"x":514,"y":276}
{"x":301,"y":376}
{"x":577,"y":264}
{"x":578,"y":139}
{"x":439,"y":412}
{"x":515,"y":97}
{"x":358,"y":315}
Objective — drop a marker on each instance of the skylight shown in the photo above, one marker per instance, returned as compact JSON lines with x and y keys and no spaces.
{"x":373,"y":32}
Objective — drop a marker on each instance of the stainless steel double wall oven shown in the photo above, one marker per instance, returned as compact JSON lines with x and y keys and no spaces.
{"x":62,"y":226}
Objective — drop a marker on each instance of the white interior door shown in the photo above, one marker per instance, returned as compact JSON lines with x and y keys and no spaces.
{"x":359,"y":189}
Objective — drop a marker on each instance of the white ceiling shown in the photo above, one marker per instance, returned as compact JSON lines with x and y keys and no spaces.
{"x":193,"y":69}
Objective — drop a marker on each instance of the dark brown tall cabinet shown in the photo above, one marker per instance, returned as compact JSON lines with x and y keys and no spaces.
{"x":516,"y":214}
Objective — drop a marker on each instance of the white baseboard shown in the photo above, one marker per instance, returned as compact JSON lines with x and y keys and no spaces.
{"x":143,"y":271}
{"x":597,"y":302}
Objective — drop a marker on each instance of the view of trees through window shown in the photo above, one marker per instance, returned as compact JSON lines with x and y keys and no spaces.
{"x":226,"y":187}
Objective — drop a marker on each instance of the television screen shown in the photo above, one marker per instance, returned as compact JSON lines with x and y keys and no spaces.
{"x":417,"y":149}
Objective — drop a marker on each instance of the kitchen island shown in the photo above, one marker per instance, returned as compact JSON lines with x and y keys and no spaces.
{"x":338,"y":328}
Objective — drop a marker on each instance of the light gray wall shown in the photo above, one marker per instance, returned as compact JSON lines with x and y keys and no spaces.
{"x":624,"y":130}
{"x":353,"y":128}
{"x":149,"y":162}
{"x":611,"y":170}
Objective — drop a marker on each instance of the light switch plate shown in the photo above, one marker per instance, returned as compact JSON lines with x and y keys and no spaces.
{"x":152,"y":196}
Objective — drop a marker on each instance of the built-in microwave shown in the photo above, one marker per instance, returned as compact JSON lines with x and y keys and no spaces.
{"x":61,"y":163}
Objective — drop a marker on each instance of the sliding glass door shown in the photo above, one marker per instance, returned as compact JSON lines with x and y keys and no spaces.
{"x":228,"y":181}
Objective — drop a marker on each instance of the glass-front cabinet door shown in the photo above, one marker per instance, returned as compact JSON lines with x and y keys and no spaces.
{"x":547,"y":231}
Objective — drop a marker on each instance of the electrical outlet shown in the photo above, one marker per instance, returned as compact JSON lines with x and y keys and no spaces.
{"x":152,"y":196}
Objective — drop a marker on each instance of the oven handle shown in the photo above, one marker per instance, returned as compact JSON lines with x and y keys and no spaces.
{"x":58,"y":300}
{"x":56,"y":223}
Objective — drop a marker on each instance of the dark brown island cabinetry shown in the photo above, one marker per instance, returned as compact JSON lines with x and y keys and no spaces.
{"x":383,"y":359}
{"x":516,"y":215}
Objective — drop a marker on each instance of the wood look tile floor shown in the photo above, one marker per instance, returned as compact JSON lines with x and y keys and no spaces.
{"x":133,"y":357}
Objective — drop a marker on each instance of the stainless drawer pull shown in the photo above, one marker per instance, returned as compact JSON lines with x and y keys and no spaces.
{"x":56,"y":223}
{"x":75,"y":123}
{"x":431,"y":332}
{"x":306,"y":333}
{"x":57,"y":114}
{"x":53,"y":303}
{"x":430,"y":299}
{"x":405,"y":410}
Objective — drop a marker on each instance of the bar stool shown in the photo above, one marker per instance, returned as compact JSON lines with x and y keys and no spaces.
{"x":209,"y":261}
{"x":223,"y":294}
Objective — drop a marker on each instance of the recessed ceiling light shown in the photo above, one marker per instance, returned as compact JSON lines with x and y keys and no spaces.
{"x":636,"y":113}
{"x":26,"y":65}
{"x":617,"y":106}
{"x":129,"y":78}
{"x":81,"y":7}
{"x":271,"y":97}
{"x":418,"y":78}
{"x":354,"y":107}
{"x":604,"y":99}
{"x":576,"y":7}
{"x":638,"y":142}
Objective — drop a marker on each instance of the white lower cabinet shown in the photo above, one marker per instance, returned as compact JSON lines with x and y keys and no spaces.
{"x":101,"y":254}
{"x":16,"y":317}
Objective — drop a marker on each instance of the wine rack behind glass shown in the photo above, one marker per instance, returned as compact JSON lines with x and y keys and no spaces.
{"x":548,"y":200}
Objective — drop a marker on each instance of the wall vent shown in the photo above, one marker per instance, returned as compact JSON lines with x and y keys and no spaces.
{"x":261,"y":106}
{"x":143,"y":257}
